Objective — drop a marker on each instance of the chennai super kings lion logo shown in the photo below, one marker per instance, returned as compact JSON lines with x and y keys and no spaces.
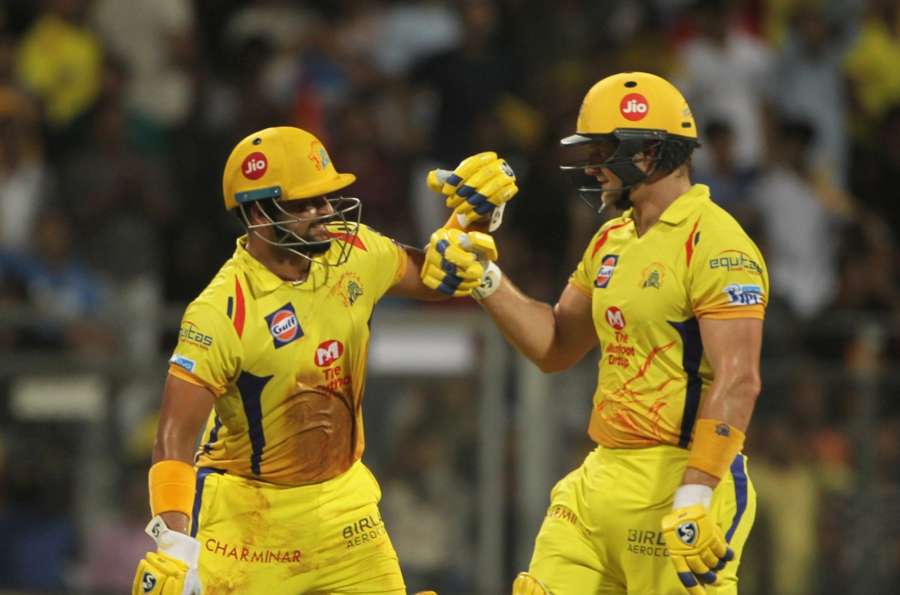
{"x":652,"y":276}
{"x":318,"y":155}
{"x":349,"y":288}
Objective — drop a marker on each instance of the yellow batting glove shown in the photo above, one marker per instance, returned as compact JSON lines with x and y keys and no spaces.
{"x":696,"y":545}
{"x":477,"y":190}
{"x":172,"y":569}
{"x":454,"y":261}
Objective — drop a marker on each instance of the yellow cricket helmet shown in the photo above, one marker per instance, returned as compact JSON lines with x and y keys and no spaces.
{"x":284,"y":164}
{"x":636,"y":101}
{"x":626,"y":114}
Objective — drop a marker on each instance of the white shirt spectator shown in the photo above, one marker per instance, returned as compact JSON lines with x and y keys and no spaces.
{"x":799,"y":238}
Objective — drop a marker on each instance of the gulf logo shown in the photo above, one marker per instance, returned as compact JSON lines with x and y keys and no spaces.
{"x":284,"y":326}
{"x":254,"y":166}
{"x":615,"y":318}
{"x":634,"y":107}
{"x":328,"y":352}
{"x":605,"y":272}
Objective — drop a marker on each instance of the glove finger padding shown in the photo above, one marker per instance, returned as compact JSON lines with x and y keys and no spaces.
{"x":449,"y":267}
{"x":479,"y":186}
{"x":481,"y":244}
{"x":159,"y":574}
{"x":488,"y":185}
{"x":696,"y":546}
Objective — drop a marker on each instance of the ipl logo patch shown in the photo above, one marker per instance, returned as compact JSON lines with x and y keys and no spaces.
{"x":687,"y":532}
{"x":605,"y":272}
{"x":284,"y":326}
{"x":744,"y":295}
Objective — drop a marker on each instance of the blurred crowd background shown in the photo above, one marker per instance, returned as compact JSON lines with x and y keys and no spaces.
{"x":116,"y":117}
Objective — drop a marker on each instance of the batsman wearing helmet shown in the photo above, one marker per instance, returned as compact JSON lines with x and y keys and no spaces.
{"x":674,"y":293}
{"x":271,"y":357}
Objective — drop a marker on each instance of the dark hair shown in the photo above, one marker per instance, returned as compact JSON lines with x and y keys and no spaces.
{"x":673,"y":152}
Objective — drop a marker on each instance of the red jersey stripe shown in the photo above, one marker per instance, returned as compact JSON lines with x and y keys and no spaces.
{"x":239,"y":311}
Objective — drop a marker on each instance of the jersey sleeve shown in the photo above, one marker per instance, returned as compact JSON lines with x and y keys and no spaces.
{"x":727,"y":274}
{"x":385,"y":260}
{"x":582,"y":278}
{"x":208,"y":352}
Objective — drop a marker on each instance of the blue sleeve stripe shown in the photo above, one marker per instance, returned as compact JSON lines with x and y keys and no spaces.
{"x":708,"y":578}
{"x":692,"y":353}
{"x":229,"y":308}
{"x":198,"y":497}
{"x":251,"y":388}
{"x":213,"y":435}
{"x":739,"y":475}
{"x":441,"y":246}
{"x":453,"y":179}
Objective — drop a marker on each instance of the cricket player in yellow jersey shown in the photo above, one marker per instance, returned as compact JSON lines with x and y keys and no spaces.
{"x":272,"y":358}
{"x":674,"y":292}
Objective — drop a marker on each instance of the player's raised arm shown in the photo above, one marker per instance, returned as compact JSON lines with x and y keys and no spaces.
{"x":553,"y":337}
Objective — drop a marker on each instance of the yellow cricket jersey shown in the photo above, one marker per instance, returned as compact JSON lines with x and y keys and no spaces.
{"x":287,"y":362}
{"x":647,"y":294}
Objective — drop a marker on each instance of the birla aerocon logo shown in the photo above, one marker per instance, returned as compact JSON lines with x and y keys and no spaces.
{"x":254,"y":166}
{"x":634,"y":107}
{"x":284,"y":326}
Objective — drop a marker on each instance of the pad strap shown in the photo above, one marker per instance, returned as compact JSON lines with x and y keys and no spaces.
{"x":172,"y":485}
{"x":716,"y":443}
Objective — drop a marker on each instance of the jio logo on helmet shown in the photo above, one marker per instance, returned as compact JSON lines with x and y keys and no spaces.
{"x":254,"y":166}
{"x":615,"y":318}
{"x":634,"y":106}
{"x":329,"y":352}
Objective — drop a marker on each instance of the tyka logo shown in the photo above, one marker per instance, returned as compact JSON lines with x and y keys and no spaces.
{"x":254,"y":166}
{"x":328,"y":352}
{"x":634,"y":107}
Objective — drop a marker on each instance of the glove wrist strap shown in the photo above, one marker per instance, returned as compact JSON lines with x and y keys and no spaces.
{"x":178,"y":545}
{"x":490,"y":281}
{"x":692,"y":493}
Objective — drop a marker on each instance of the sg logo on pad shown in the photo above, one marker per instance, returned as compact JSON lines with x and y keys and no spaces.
{"x":284,"y":326}
{"x":148,"y":582}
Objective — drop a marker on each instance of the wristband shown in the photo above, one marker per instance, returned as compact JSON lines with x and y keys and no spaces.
{"x":715,"y":445}
{"x":490,"y":281}
{"x":172,"y":485}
